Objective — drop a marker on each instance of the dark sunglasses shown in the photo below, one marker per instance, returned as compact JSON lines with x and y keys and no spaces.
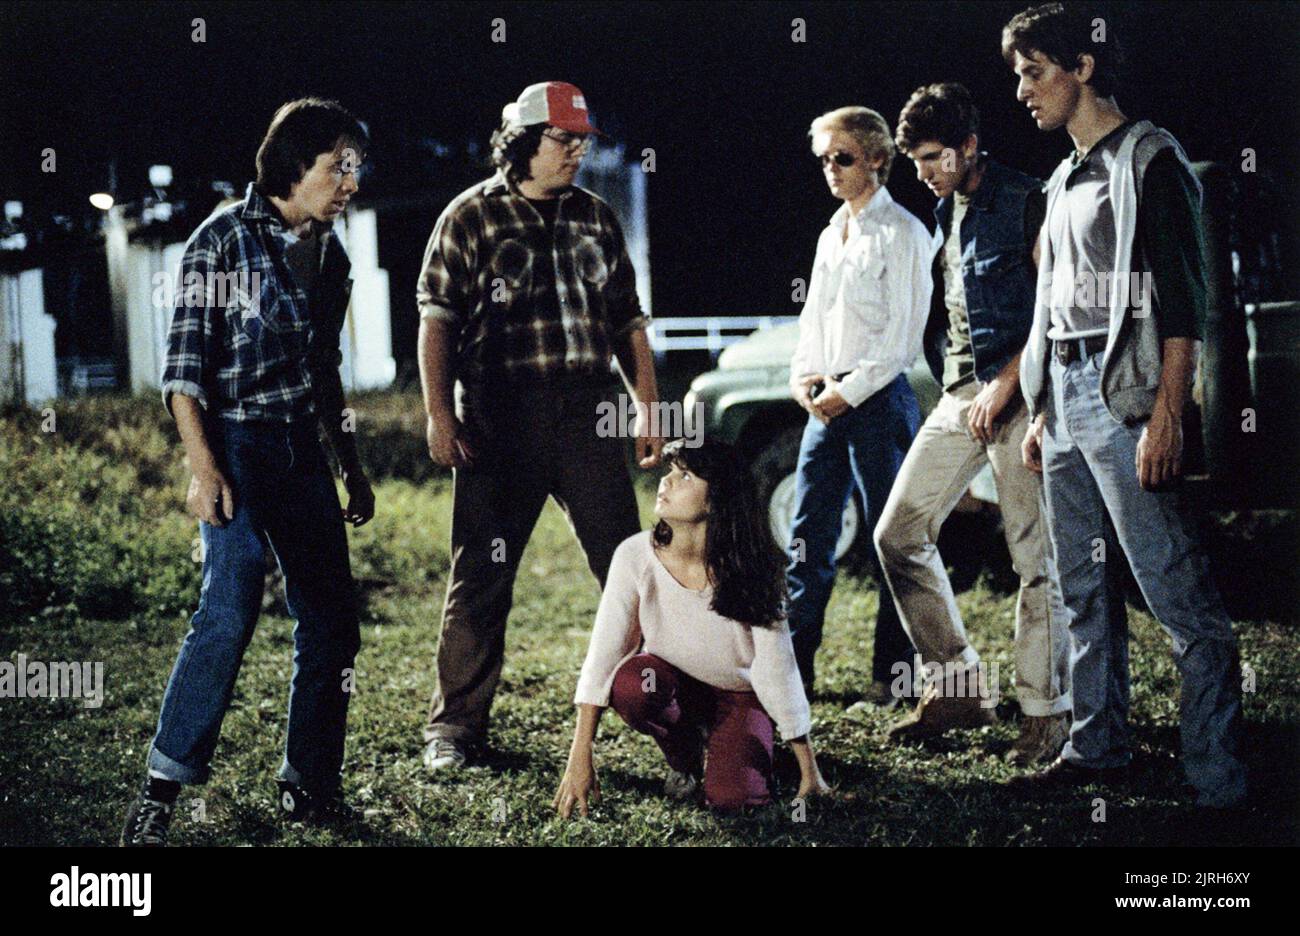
{"x":841,"y":159}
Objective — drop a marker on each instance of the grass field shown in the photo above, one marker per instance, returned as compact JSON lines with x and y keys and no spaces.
{"x":97,"y":565}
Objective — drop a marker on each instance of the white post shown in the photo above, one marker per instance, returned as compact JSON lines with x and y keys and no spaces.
{"x":28,"y":370}
{"x":367,"y":339}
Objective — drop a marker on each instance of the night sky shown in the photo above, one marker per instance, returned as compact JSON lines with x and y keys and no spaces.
{"x":719,"y":91}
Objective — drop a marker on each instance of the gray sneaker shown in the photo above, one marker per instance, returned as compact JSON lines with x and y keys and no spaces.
{"x":444,"y":754}
{"x":679,"y":785}
{"x":682,"y":785}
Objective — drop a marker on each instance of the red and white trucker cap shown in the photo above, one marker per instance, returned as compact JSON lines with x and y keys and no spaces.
{"x":557,"y":103}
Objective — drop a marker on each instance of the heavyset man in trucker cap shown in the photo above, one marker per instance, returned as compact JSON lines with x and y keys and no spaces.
{"x":526,"y":293}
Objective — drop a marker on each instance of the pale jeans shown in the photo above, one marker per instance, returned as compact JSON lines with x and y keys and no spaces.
{"x":939,"y":468}
{"x":1089,"y":464}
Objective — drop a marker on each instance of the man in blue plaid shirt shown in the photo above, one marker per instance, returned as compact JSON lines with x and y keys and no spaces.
{"x":252,"y":373}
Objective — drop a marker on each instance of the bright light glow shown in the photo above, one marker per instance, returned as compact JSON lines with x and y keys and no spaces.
{"x":160,"y":176}
{"x":102,"y":200}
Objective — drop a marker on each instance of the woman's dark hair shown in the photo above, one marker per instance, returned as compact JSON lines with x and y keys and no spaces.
{"x":943,"y":112}
{"x":1062,"y":34}
{"x":513,"y":147}
{"x":745,"y":565}
{"x":300,"y":131}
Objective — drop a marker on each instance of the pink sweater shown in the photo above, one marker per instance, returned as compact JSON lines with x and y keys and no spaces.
{"x":644,"y":604}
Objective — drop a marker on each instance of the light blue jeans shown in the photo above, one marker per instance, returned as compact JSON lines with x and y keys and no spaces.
{"x":1094,"y":506}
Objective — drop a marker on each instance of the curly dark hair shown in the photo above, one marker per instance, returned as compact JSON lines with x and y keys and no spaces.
{"x":1063,"y":33}
{"x":745,"y":565}
{"x":513,"y":147}
{"x":300,"y":131}
{"x":944,"y":112}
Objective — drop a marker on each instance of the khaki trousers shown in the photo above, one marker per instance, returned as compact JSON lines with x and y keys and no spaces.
{"x":938,"y":469}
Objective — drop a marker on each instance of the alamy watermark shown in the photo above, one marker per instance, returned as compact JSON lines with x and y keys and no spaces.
{"x":1093,"y":289}
{"x":209,"y":290}
{"x":33,"y":679}
{"x":665,"y":420}
{"x":90,"y":889}
{"x":957,"y":679}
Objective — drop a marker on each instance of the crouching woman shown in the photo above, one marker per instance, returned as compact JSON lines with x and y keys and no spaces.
{"x":691,"y":645}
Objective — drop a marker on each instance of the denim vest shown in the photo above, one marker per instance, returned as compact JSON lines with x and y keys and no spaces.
{"x":997,"y":268}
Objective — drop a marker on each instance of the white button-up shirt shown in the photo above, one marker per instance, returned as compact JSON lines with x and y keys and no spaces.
{"x":868,"y":298}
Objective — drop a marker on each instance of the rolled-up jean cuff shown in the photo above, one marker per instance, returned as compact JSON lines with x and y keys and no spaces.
{"x":452,"y":732}
{"x":1068,"y":753}
{"x":161,"y":764}
{"x":311,"y":784}
{"x":288,"y":773}
{"x":1039,"y":708}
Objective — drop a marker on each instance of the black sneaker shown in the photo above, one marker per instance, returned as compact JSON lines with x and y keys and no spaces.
{"x":297,"y":804}
{"x":147,"y":822}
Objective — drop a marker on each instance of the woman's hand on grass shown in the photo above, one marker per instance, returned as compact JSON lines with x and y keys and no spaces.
{"x":577,"y":787}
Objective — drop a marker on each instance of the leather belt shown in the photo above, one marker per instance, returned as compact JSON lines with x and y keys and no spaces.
{"x":1072,"y":349}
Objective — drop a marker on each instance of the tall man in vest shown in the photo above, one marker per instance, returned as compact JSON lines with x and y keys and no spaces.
{"x":1106,"y":372}
{"x":988,"y":222}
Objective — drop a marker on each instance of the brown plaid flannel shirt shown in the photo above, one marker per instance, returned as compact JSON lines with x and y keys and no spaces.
{"x":478,"y":276}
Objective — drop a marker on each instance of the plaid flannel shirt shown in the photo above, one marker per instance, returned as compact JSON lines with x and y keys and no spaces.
{"x":245,"y":338}
{"x":478,"y":276}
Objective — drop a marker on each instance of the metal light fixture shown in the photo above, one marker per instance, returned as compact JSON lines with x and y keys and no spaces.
{"x":160,"y":176}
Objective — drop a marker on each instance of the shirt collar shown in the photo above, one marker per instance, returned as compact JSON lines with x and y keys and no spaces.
{"x":501,"y":184}
{"x":989,"y":180}
{"x":1076,"y":160}
{"x":880,"y":201}
{"x":259,"y":208}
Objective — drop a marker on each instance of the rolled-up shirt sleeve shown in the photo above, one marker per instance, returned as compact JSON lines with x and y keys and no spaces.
{"x":445,"y":288}
{"x":908,"y":278}
{"x":617,"y":632}
{"x":195,"y":317}
{"x":774,"y":675}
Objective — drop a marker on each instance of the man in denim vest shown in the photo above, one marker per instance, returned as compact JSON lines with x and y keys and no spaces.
{"x":988,"y":221}
{"x":1106,"y":374}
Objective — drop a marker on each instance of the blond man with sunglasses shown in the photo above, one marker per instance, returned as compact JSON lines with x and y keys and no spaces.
{"x":860,"y":329}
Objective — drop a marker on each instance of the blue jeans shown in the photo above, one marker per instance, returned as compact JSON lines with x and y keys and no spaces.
{"x":863,"y":447}
{"x":284,"y":496}
{"x":1095,"y":504}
